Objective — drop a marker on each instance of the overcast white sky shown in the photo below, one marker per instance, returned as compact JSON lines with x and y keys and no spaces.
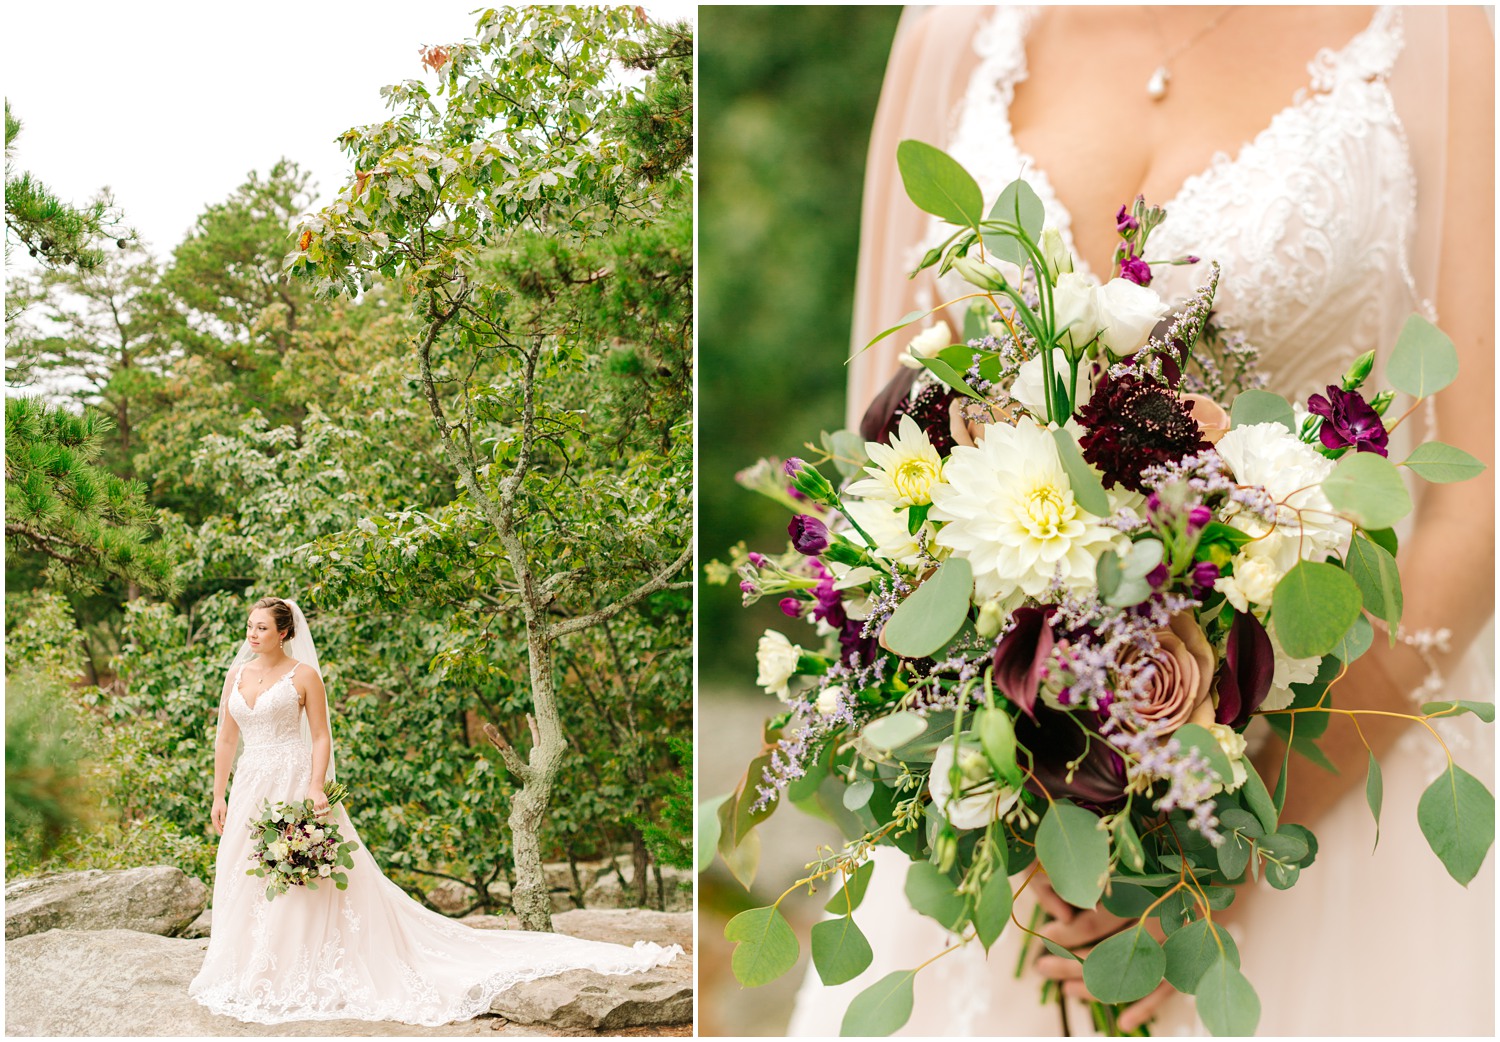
{"x":172,"y":104}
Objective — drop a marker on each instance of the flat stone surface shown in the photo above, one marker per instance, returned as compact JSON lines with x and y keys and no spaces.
{"x":157,"y":899}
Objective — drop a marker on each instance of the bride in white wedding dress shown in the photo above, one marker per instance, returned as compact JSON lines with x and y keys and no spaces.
{"x":369,"y":952}
{"x":1339,"y":195}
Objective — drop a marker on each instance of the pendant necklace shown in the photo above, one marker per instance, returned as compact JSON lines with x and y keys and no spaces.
{"x":1156,"y":86}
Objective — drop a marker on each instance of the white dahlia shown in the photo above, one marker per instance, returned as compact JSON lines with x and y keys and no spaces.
{"x":905,"y":471}
{"x":1010,"y":511}
{"x":1292,"y":473}
{"x":887,"y":528}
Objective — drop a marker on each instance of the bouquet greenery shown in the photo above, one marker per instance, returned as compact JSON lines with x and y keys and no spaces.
{"x":296,"y":847}
{"x":1062,"y":568}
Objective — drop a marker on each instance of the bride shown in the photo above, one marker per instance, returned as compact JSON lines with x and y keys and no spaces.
{"x":369,"y":952}
{"x":1339,"y":195}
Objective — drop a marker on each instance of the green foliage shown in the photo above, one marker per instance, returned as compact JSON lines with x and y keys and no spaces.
{"x":1074,"y":852}
{"x":1457,"y":815}
{"x":881,"y":1008}
{"x":930,"y":617}
{"x":670,"y":837}
{"x":765,"y":946}
{"x":1314,"y":605}
{"x":47,"y":746}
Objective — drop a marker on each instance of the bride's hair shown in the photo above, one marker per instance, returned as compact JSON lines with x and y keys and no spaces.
{"x":281,"y":614}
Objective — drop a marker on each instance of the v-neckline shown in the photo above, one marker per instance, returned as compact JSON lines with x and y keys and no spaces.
{"x":263,"y":691}
{"x":1220,"y":160}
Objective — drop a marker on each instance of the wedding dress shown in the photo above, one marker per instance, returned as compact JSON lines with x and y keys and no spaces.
{"x":369,"y":952}
{"x":1323,"y":225}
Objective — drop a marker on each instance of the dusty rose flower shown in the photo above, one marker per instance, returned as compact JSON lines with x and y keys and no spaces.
{"x":1177,"y":687}
{"x":1213,"y":421}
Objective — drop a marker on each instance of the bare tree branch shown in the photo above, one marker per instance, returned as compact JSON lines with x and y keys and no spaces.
{"x":657,"y":582}
{"x":513,"y":761}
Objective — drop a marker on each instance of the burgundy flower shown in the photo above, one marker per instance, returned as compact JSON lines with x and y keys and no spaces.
{"x":809,"y":535}
{"x":1135,"y":270}
{"x":790,"y":607}
{"x":1245,"y":679}
{"x":1022,"y":655}
{"x":1133,"y":423}
{"x":930,"y":410}
{"x":1069,"y":758}
{"x":1348,"y":421}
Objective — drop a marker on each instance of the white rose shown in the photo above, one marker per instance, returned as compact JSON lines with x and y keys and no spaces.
{"x":1075,"y":308}
{"x":1292,"y":473}
{"x":325,"y":870}
{"x":777,"y":658}
{"x":829,"y":699}
{"x":926,"y":344}
{"x":1030,"y":380}
{"x":1253,"y":582}
{"x":984,"y":799}
{"x":1233,"y":744}
{"x":1127,"y":314}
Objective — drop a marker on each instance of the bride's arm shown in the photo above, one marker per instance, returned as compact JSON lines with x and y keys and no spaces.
{"x":225,"y":741}
{"x":1448,"y":562}
{"x":317,"y":723}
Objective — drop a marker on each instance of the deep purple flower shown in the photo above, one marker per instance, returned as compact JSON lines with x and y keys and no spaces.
{"x":1348,"y":421}
{"x":748,"y":587}
{"x":1158,"y":576}
{"x":1022,"y":655}
{"x":1133,"y":269}
{"x":1205,"y":574}
{"x":1245,"y":680}
{"x":1133,"y":423}
{"x":1198,"y":517}
{"x":757,"y":559}
{"x":791,"y":607}
{"x":1069,"y":758}
{"x":1125,"y":221}
{"x":809,"y":535}
{"x":792,"y":467}
{"x":1191,"y":259}
{"x":1153,"y":503}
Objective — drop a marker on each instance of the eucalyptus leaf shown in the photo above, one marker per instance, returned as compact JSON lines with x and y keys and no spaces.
{"x":882,"y":1008}
{"x":852,"y":892}
{"x":858,"y":794}
{"x":1088,"y":491}
{"x":1193,"y":949}
{"x":1353,"y":644}
{"x":1017,"y":204}
{"x":1423,"y":361}
{"x":840,"y":951}
{"x":1484,"y":710}
{"x":1125,"y":967}
{"x":1457,"y":815}
{"x":1074,"y":852}
{"x":1433,"y":461}
{"x":889,"y":732}
{"x":708,"y":831}
{"x":1314,"y":605}
{"x":1196,"y":736}
{"x":1374,"y":571}
{"x":1129,"y":845}
{"x":1251,"y":407}
{"x":932,"y":893}
{"x":992,"y":911}
{"x":938,"y":184}
{"x":1367,"y":489}
{"x":1375,"y":794}
{"x":765,"y":946}
{"x":934,"y":612}
{"x":1227,"y":1004}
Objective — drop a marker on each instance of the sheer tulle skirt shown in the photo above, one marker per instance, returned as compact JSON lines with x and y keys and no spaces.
{"x":369,"y":952}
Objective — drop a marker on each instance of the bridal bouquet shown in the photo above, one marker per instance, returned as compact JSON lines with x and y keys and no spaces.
{"x":1064,"y":566}
{"x":294,"y":847}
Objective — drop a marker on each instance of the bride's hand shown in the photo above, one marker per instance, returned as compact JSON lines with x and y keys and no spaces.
{"x":219,"y":814}
{"x":1078,"y":930}
{"x":319,"y":801}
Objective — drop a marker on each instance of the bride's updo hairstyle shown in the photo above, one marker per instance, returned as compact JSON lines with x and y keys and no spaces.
{"x":281,"y":615}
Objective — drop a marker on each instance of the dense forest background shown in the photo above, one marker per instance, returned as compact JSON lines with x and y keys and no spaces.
{"x":789,"y":97}
{"x":186,"y":434}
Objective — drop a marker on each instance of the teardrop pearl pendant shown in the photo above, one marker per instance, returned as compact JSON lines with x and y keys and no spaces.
{"x":1156,"y":86}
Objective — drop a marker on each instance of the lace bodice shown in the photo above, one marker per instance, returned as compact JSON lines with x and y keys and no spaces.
{"x":1311,"y":221}
{"x":276,"y":717}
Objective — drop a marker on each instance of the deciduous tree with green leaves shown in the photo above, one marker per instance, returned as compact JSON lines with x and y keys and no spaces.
{"x":536,"y":211}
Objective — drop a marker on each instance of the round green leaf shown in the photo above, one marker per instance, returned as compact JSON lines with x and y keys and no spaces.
{"x":1314,"y":605}
{"x":839,"y":950}
{"x":1126,"y":967}
{"x":1074,"y":852}
{"x":858,"y":794}
{"x":1193,"y":949}
{"x":1227,"y":1004}
{"x":1196,"y":736}
{"x":938,"y":184}
{"x":1367,"y":489}
{"x":881,"y":1008}
{"x":1457,"y":815}
{"x":993,"y":910}
{"x":1353,"y":644}
{"x":1018,"y":204}
{"x":1423,"y":361}
{"x":765,"y":946}
{"x":1440,"y":464}
{"x":1484,"y":710}
{"x":1251,"y":407}
{"x":932,"y":893}
{"x":929,"y":618}
{"x":708,"y":831}
{"x":890,"y":732}
{"x":853,"y":891}
{"x":1374,"y":571}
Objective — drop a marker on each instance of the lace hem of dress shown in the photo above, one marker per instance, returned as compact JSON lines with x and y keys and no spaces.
{"x":477,"y":999}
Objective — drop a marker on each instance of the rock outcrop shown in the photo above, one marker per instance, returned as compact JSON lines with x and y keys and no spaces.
{"x":159,"y":899}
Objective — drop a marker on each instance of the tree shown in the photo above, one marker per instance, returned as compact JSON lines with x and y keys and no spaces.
{"x":549,"y":266}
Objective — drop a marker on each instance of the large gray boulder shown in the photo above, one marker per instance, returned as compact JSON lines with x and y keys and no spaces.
{"x":606,"y":891}
{"x":159,"y":899}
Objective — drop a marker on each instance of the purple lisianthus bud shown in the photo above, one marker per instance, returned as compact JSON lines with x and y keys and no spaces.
{"x":1198,"y":517}
{"x":1158,"y":576}
{"x":791,"y":607}
{"x":792,"y":467}
{"x":748,"y":587}
{"x":759,"y":560}
{"x":809,"y":535}
{"x":1133,"y":269}
{"x":1125,"y":221}
{"x":1348,"y":421}
{"x":1192,"y":259}
{"x":1205,"y":573}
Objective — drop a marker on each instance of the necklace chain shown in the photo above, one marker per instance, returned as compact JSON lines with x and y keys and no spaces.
{"x":1156,"y":87}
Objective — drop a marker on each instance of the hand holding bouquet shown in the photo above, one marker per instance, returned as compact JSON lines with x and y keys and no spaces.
{"x":1063,"y":568}
{"x":295,"y":847}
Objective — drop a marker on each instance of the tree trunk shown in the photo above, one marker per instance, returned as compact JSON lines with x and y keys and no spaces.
{"x":639,"y":865}
{"x":529,"y":898}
